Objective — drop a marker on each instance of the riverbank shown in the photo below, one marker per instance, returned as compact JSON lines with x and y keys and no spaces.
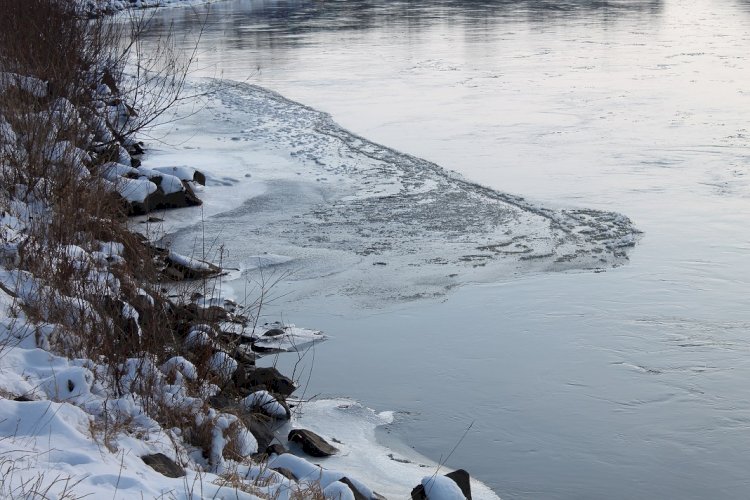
{"x":123,"y":351}
{"x":619,"y":374}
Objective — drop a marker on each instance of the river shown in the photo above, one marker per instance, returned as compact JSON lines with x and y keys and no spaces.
{"x":617,"y":382}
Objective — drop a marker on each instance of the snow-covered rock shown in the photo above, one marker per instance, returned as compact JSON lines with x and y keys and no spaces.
{"x":266,"y":403}
{"x":441,"y":488}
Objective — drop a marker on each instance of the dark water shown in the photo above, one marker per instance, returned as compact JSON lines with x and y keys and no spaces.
{"x":622,"y":384}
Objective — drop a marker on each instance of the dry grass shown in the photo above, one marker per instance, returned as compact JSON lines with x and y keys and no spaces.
{"x":73,"y":207}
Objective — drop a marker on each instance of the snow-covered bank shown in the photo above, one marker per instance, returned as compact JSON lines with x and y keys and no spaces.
{"x":137,"y":366}
{"x":99,"y":365}
{"x":354,"y":426}
{"x":99,"y":7}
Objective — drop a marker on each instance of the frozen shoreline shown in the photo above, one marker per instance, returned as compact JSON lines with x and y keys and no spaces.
{"x":369,"y":221}
{"x":254,"y":150}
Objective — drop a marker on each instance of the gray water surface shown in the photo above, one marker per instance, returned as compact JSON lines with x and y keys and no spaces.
{"x":626,"y":383}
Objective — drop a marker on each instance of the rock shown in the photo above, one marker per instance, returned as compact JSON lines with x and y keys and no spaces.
{"x":163,"y":465}
{"x":418,"y":493}
{"x":159,"y":200}
{"x":312,"y":444}
{"x":285,"y":472}
{"x":274,"y":332}
{"x":339,"y":491}
{"x":357,"y":494}
{"x":22,"y":398}
{"x":260,"y":427}
{"x":200,"y":178}
{"x":126,"y":329}
{"x":148,"y":313}
{"x":173,"y":274}
{"x":110,"y":81}
{"x":245,"y":358}
{"x":136,"y":148}
{"x":263,"y":402}
{"x":460,"y":477}
{"x":268,"y":378}
{"x":191,"y":269}
{"x":276,"y":448}
{"x":221,"y":402}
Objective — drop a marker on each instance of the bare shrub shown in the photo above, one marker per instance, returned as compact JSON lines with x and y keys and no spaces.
{"x":62,"y":99}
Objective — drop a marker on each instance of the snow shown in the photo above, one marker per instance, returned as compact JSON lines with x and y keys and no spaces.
{"x":80,"y":464}
{"x":441,"y":488}
{"x":178,"y":364}
{"x":111,"y":248}
{"x":184,"y":173}
{"x":171,"y":184}
{"x":293,"y":339}
{"x":362,"y":457}
{"x":189,"y":262}
{"x":85,"y":426}
{"x":338,"y":491}
{"x":197,"y":338}
{"x":114,"y":171}
{"x":33,"y":86}
{"x":136,"y":190}
{"x":223,"y":365}
{"x":265,"y":402}
{"x":168,"y":183}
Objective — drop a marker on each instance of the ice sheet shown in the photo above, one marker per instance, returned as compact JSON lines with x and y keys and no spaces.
{"x":365,"y":219}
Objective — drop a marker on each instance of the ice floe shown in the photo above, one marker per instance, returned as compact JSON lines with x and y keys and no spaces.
{"x":364,"y":220}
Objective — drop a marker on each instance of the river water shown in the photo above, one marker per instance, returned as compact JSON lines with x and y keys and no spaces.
{"x":631,"y":382}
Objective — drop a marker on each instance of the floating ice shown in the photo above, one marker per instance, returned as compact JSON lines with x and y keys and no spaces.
{"x":360,"y":219}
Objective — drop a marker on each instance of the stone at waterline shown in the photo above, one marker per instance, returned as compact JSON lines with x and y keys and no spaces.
{"x":173,"y":274}
{"x":252,"y":378}
{"x":285,"y":472}
{"x":311,"y":443}
{"x":159,"y":200}
{"x":163,"y":465}
{"x":200,"y":178}
{"x":357,"y":494}
{"x":277,"y":449}
{"x":274,"y":332}
{"x":460,"y":477}
{"x":260,"y":427}
{"x":191,"y":269}
{"x":265,"y":403}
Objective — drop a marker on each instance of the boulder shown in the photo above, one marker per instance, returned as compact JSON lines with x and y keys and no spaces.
{"x":357,"y":494}
{"x":285,"y":472}
{"x":274,"y":332}
{"x":260,"y":427}
{"x":277,"y":449}
{"x":460,"y":477}
{"x":163,"y":465}
{"x":263,"y":402}
{"x":311,"y":443}
{"x":190,"y":268}
{"x":253,"y":377}
{"x":200,"y":178}
{"x":159,"y":200}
